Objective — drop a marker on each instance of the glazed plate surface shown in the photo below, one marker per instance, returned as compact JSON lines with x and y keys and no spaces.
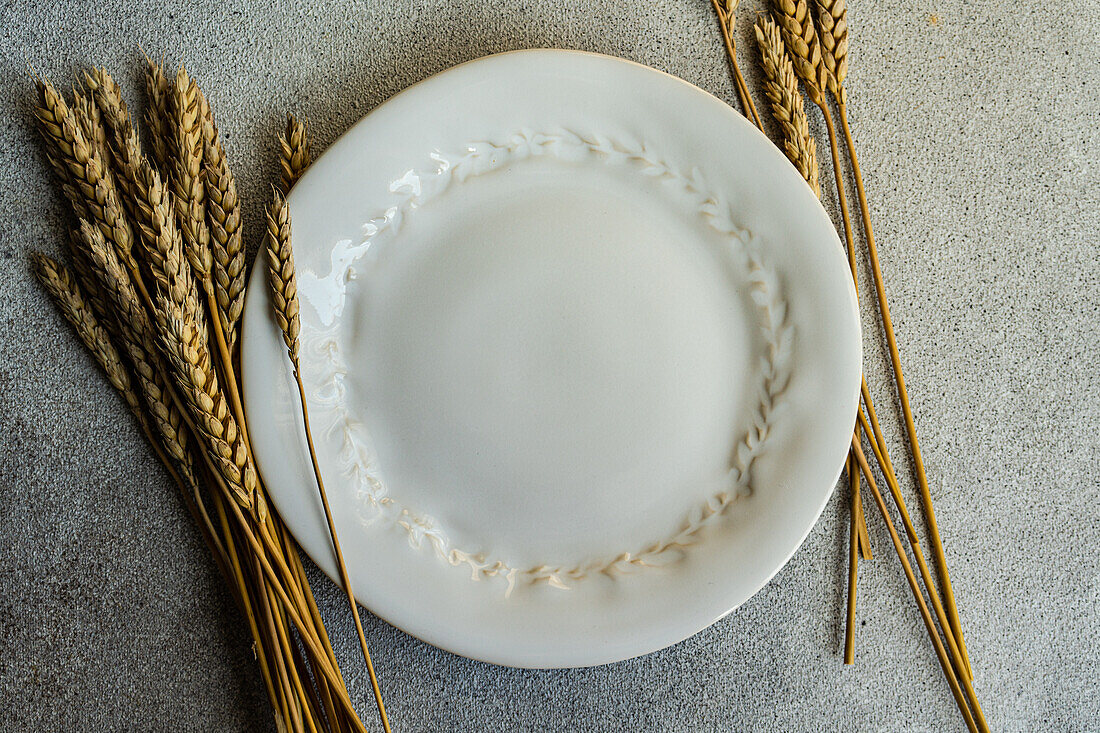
{"x":581,"y":355}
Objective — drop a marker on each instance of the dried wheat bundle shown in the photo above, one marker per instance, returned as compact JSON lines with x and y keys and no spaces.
{"x":833,"y":21}
{"x":155,"y":293}
{"x":818,"y":55}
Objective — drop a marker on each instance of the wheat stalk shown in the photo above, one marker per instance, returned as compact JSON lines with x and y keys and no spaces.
{"x":726,"y":10}
{"x":926,"y":616}
{"x":139,"y":342}
{"x":224,"y":208}
{"x":834,"y":22}
{"x":296,"y":155}
{"x":175,"y":388}
{"x":781,"y":88}
{"x":164,"y":251}
{"x":802,"y":41}
{"x":284,"y":296}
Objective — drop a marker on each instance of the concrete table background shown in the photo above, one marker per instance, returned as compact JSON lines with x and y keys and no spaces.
{"x":978,"y":127}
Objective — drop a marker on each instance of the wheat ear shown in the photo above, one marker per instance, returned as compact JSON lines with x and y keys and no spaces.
{"x":781,"y":87}
{"x":193,"y":369}
{"x":187,"y":184}
{"x":284,"y":297}
{"x":224,"y":208}
{"x":87,"y":170}
{"x":295,"y":152}
{"x":139,"y":343}
{"x":280,"y":263}
{"x":122,"y":141}
{"x":801,"y":39}
{"x":157,"y":91}
{"x":164,"y":250}
{"x":832,"y":21}
{"x":61,"y":286}
{"x":91,"y":123}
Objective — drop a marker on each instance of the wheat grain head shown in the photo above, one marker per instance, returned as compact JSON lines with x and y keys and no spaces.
{"x":280,"y":265}
{"x":793,"y":16}
{"x":781,"y":88}
{"x":296,"y":154}
{"x":832,"y":21}
{"x":157,"y":117}
{"x":123,"y":139}
{"x":187,"y":174}
{"x":187,"y":352}
{"x":87,"y":169}
{"x":224,"y":208}
{"x":139,"y":342}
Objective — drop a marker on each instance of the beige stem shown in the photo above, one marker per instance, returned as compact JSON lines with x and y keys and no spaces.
{"x":260,"y":551}
{"x":853,"y":565}
{"x":747,"y":106}
{"x":249,"y":614}
{"x":903,"y":396}
{"x":344,"y":579}
{"x":926,"y":616}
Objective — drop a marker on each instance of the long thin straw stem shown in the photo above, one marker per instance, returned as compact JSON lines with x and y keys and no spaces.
{"x":315,"y":613}
{"x":301,"y":700}
{"x":261,"y":550}
{"x":903,"y":395}
{"x":747,"y":106}
{"x":344,"y":579}
{"x":249,"y":614}
{"x":853,"y":566}
{"x":926,"y":616}
{"x":849,"y":241}
{"x":926,"y":577}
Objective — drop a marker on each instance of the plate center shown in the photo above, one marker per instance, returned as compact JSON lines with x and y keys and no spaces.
{"x":552,"y":360}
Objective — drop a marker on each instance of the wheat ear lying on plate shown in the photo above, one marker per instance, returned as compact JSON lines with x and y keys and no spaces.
{"x":284,"y":297}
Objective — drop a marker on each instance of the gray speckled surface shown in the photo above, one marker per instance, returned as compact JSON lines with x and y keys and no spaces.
{"x":980,"y":136}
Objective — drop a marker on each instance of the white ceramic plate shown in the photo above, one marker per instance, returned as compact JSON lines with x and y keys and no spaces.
{"x":581,"y":355}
